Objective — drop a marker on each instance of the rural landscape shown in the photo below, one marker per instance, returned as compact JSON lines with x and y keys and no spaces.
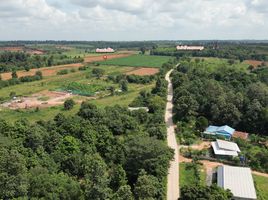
{"x":109,"y":100}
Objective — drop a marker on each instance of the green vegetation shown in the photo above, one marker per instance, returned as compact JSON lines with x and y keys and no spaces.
{"x":189,"y":175}
{"x":261,"y":186}
{"x":10,"y":61}
{"x":138,"y":61}
{"x":83,"y":89}
{"x":223,"y":95}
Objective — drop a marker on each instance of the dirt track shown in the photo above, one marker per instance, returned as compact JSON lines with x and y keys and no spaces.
{"x":173,"y":192}
{"x":50,"y":71}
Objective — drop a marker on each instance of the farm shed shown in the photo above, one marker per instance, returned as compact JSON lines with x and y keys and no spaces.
{"x":237,"y":179}
{"x":224,"y":131}
{"x":225,"y":148}
{"x":105,"y":50}
{"x":190,"y":48}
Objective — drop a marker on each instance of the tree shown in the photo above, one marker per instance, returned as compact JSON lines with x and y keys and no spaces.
{"x":96,"y":178}
{"x":69,"y":104}
{"x":193,"y":192}
{"x":112,"y":89}
{"x":14,"y":75}
{"x":97,"y":72}
{"x":39,"y":73}
{"x":12,"y":94}
{"x":201,"y":123}
{"x":143,"y":50}
{"x":117,"y":177}
{"x":27,"y":68}
{"x":123,"y":193}
{"x":156,"y":103}
{"x":45,"y":185}
{"x":124,"y":85}
{"x":146,"y":186}
{"x":13,"y":174}
{"x":186,"y":106}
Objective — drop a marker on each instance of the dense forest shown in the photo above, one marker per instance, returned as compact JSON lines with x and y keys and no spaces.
{"x":10,"y":61}
{"x":224,"y":95}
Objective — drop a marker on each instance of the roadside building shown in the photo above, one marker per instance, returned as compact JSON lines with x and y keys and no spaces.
{"x":237,"y":179}
{"x":222,"y":148}
{"x":222,"y":131}
{"x":189,"y":48}
{"x":105,"y":50}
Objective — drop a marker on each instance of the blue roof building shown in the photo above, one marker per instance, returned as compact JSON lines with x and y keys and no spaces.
{"x":225,"y":131}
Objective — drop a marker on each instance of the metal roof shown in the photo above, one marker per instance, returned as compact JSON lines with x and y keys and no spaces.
{"x":220,"y":129}
{"x":218,"y":151}
{"x":237,"y":179}
{"x":226,"y":145}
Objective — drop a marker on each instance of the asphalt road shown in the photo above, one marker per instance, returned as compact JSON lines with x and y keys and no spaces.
{"x":173,"y":192}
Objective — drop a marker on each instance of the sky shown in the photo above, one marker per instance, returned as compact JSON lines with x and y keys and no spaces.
{"x":119,"y":20}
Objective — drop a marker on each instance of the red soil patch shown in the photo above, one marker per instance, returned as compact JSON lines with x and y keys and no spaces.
{"x":143,"y":71}
{"x":46,"y":71}
{"x":254,"y":63}
{"x":13,"y":49}
{"x":89,"y":59}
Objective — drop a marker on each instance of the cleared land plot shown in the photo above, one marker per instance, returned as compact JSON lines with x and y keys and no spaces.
{"x":44,"y":91}
{"x":123,"y":99}
{"x":89,"y":59}
{"x":254,"y":63}
{"x":187,"y":176}
{"x":143,"y":71}
{"x":139,"y":61}
{"x":46,"y":71}
{"x":261,"y":184}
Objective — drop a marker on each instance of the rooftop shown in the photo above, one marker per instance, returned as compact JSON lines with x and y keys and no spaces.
{"x":237,"y":179}
{"x":222,"y":147}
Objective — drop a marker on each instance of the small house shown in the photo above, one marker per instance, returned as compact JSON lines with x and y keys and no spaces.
{"x":223,"y":131}
{"x":225,"y":148}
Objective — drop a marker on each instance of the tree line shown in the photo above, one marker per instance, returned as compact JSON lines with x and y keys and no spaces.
{"x":10,"y":61}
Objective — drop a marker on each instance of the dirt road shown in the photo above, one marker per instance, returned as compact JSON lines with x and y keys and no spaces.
{"x":173,"y":172}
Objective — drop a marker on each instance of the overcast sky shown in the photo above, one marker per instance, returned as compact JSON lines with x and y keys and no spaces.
{"x":133,"y":19}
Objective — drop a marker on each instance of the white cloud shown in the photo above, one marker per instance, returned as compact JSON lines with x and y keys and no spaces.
{"x":132,"y":20}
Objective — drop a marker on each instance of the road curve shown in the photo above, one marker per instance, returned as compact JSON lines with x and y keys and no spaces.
{"x":173,"y":192}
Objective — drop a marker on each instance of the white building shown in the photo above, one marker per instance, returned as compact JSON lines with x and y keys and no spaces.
{"x":190,"y":48}
{"x":225,"y":148}
{"x":105,"y":50}
{"x":237,"y":179}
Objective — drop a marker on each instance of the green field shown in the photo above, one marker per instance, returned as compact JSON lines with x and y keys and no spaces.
{"x":187,"y":176}
{"x":77,"y":79}
{"x":215,"y":63}
{"x":138,"y":61}
{"x":261,"y":187}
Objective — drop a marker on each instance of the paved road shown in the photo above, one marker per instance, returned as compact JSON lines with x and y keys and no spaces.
{"x":173,"y":172}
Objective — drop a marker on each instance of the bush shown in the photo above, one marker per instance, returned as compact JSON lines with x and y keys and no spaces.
{"x":63,"y":72}
{"x":69,"y":104}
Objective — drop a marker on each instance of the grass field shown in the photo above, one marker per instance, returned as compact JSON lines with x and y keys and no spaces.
{"x":215,"y":63}
{"x":138,"y":61}
{"x":49,"y":113}
{"x":58,"y":82}
{"x":187,"y":176}
{"x":261,"y":187}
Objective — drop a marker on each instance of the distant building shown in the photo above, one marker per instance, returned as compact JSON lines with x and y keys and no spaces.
{"x":138,"y":108}
{"x":223,"y":131}
{"x":190,"y":48}
{"x":105,"y":50}
{"x":237,"y":179}
{"x":225,"y":148}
